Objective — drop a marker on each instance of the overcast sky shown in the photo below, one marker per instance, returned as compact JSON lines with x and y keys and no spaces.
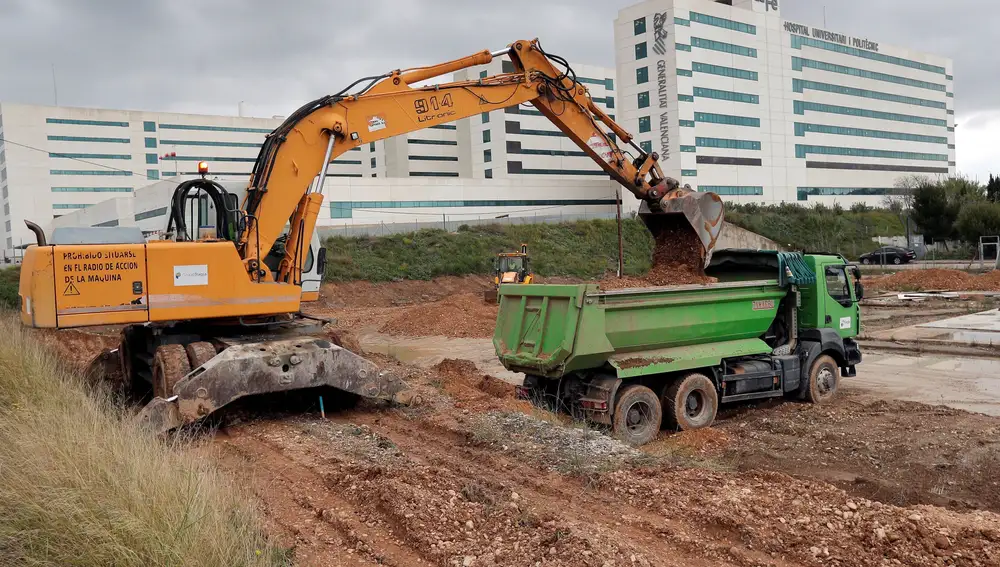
{"x":206,"y":56}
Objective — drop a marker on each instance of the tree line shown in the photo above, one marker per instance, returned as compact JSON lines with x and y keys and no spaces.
{"x":956,"y":208}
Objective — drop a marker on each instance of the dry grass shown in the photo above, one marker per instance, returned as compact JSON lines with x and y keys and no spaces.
{"x":81,"y":483}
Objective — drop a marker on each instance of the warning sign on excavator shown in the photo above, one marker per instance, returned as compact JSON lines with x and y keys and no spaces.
{"x":71,"y":290}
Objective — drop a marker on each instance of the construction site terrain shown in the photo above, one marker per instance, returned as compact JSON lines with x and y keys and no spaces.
{"x":473,"y":476}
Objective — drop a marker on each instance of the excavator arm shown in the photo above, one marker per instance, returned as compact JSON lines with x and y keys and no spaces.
{"x":287,"y":179}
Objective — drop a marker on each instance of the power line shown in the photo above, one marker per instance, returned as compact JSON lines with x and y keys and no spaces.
{"x":8,"y":140}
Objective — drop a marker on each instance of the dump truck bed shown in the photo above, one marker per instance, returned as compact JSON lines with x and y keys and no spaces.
{"x":551,"y":330}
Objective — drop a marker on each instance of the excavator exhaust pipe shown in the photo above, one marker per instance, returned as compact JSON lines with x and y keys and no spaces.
{"x":679,"y":207}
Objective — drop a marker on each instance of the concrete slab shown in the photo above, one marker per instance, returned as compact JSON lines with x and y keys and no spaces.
{"x":977,"y":328}
{"x":971,"y":384}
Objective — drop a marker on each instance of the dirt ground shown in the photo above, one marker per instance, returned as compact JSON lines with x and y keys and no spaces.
{"x":934,"y":279}
{"x":473,"y":477}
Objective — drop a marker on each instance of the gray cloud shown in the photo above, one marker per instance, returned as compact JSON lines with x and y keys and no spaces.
{"x":207,"y":56}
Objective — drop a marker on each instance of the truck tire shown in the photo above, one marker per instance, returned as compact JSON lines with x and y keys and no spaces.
{"x":637,"y":415}
{"x":821,"y":384}
{"x":690,"y":402}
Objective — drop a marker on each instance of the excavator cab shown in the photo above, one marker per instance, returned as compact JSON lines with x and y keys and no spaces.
{"x":509,"y":268}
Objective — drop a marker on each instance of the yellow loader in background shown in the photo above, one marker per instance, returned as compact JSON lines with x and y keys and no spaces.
{"x":509,"y":268}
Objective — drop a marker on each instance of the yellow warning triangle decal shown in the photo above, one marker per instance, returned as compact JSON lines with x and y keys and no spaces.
{"x":71,"y":290}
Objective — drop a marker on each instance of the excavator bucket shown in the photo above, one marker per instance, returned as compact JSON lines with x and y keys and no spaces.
{"x":270,"y":367}
{"x":702,"y":212}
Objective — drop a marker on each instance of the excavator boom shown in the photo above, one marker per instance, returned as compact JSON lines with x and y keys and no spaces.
{"x":296,"y":153}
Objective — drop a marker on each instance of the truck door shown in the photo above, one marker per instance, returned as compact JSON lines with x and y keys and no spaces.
{"x":841,"y":309}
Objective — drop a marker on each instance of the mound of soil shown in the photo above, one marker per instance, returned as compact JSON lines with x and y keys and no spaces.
{"x":459,"y":316}
{"x":678,"y":259}
{"x":406,"y":292}
{"x":935,"y":279}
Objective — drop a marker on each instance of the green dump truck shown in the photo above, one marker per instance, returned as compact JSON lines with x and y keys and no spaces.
{"x":775,"y":324}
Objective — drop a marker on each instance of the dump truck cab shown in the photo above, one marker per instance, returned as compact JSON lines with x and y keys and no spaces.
{"x":776,"y":324}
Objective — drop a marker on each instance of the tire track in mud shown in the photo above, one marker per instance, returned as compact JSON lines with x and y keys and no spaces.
{"x":295,"y":498}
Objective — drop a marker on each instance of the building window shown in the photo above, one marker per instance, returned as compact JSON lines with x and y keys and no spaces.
{"x":802,"y":106}
{"x":687,"y":123}
{"x":152,"y":174}
{"x":685,"y":98}
{"x":644,"y":124}
{"x":682,"y":22}
{"x":723,"y":47}
{"x":486,"y":136}
{"x":727,"y":144}
{"x":91,"y":189}
{"x":149,"y":126}
{"x":731,"y":190}
{"x":798,"y":63}
{"x":723,"y":23}
{"x":88,"y":139}
{"x":483,"y":74}
{"x":213,"y":128}
{"x":489,"y":174}
{"x":727,"y":95}
{"x":724,"y":71}
{"x":151,"y":159}
{"x":85,"y":122}
{"x":643,"y":99}
{"x":802,"y":150}
{"x":486,"y":117}
{"x":646,"y":146}
{"x":373,"y":162}
{"x":609,"y":101}
{"x":116,"y":172}
{"x":640,"y":50}
{"x":642,"y":75}
{"x":487,"y":156}
{"x":689,"y":149}
{"x":801,"y":129}
{"x":151,"y":142}
{"x":799,"y":41}
{"x":430,"y":142}
{"x":88,"y":156}
{"x":371,"y":146}
{"x":684,"y":73}
{"x":689,"y":173}
{"x":639,"y":25}
{"x":726,"y":119}
{"x":800,"y":85}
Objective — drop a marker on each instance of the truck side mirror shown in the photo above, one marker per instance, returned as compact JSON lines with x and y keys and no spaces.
{"x":321,"y":261}
{"x":859,"y":290}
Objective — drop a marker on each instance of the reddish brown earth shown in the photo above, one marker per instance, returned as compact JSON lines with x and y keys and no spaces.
{"x":473,"y":477}
{"x":934,"y":279}
{"x":678,"y":259}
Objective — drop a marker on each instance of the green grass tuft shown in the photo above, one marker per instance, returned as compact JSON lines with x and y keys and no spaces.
{"x":81,"y":483}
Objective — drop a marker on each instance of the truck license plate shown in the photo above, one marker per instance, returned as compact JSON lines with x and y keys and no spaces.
{"x":763,"y":305}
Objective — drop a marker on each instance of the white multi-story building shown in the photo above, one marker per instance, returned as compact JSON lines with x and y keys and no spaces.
{"x":56,"y":160}
{"x":738,"y":101}
{"x":519,"y":141}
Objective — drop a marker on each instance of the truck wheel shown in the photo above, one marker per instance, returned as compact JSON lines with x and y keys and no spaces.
{"x":822,"y":381}
{"x":690,"y":402}
{"x":637,"y":415}
{"x":170,"y":364}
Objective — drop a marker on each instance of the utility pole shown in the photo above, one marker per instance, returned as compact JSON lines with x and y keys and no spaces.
{"x":55,"y":88}
{"x":621,"y":247}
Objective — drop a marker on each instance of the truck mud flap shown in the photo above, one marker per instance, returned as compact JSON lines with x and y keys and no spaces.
{"x":269,"y":367}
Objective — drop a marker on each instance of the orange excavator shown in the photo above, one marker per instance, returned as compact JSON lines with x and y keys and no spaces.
{"x":209,"y":319}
